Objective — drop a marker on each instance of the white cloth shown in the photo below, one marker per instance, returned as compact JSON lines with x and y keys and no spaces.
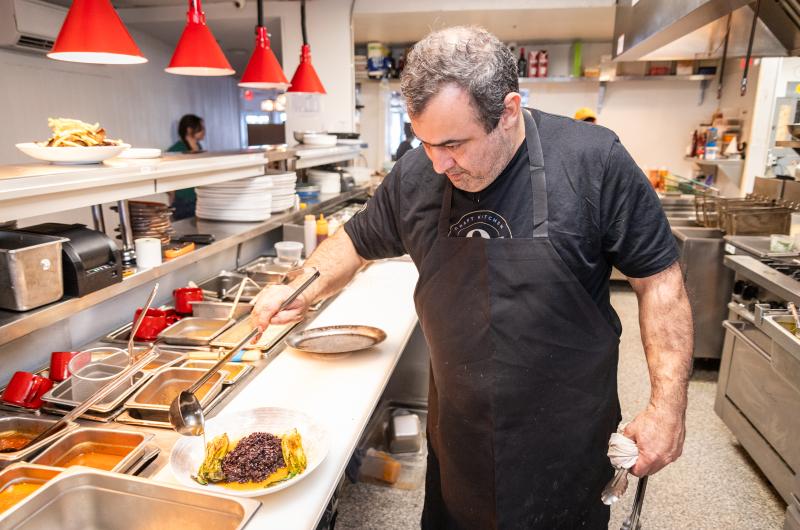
{"x":622,"y":451}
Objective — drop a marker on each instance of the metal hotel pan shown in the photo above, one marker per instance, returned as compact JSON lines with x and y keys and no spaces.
{"x":62,"y":395}
{"x":28,"y":473}
{"x":83,"y":499}
{"x":160,"y":418}
{"x":194,"y":331}
{"x":207,"y":309}
{"x":33,"y":425}
{"x":159,"y":392}
{"x":235,"y":370}
{"x":128,"y":445}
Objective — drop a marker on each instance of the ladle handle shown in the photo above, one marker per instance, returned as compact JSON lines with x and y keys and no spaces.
{"x":236,"y":299}
{"x":214,"y":369}
{"x":253,"y":333}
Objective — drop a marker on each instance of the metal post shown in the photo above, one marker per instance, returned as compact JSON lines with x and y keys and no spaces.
{"x":97,"y":218}
{"x":126,"y":232}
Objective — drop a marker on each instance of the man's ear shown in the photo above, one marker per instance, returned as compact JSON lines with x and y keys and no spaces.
{"x":512,"y":112}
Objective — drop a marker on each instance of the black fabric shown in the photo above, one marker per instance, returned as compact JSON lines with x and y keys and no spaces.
{"x":603,"y":211}
{"x":523,"y":392}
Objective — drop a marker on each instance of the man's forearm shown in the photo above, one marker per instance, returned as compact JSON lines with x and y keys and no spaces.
{"x":665,"y":319}
{"x":337,"y":261}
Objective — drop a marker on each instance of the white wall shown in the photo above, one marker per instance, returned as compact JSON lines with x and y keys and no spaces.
{"x":654,"y":119}
{"x":331,"y":40}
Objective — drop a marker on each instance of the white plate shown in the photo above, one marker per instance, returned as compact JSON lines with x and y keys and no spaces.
{"x":72,"y":155}
{"x":188,"y":453}
{"x":319,"y":139}
{"x":140,"y":152}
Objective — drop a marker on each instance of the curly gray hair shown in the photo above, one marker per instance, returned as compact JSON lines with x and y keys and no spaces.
{"x":469,"y":57}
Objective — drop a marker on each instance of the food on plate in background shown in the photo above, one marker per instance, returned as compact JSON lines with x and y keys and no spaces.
{"x":256,"y":461}
{"x":68,"y":132}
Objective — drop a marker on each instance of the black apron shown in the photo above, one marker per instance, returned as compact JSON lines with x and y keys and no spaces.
{"x":523,"y":394}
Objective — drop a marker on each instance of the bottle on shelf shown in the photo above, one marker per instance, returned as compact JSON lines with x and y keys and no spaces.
{"x":541,"y":63}
{"x":309,"y":234}
{"x":322,"y":229}
{"x":522,"y":64}
{"x":533,"y":65}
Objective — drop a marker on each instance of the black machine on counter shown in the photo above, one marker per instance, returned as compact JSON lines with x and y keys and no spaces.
{"x":90,"y":259}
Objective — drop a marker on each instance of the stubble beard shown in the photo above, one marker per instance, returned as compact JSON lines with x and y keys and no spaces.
{"x":499,"y":151}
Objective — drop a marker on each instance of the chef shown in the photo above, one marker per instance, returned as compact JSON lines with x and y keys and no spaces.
{"x":514,"y":218}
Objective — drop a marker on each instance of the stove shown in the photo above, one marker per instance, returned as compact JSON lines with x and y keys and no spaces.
{"x":758,"y":393}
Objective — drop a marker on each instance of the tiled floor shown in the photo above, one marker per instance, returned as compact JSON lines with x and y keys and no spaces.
{"x":713,"y":486}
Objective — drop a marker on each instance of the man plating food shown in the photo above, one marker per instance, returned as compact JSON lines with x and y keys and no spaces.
{"x":514,"y":219}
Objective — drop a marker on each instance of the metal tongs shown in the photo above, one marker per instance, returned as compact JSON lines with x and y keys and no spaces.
{"x":633,"y":522}
{"x":614,"y":491}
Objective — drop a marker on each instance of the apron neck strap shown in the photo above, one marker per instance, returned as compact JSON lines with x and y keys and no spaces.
{"x":537,"y":176}
{"x":538,"y":182}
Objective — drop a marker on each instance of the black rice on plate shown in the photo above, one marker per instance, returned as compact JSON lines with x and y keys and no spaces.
{"x":255,"y":457}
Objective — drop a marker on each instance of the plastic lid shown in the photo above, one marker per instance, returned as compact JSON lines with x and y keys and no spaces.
{"x":309,"y":217}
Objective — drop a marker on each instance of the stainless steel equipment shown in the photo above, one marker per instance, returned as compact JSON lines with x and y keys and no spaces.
{"x":126,"y":447}
{"x":194,"y":331}
{"x":30,"y":270}
{"x":708,"y":284}
{"x":33,"y":425}
{"x":758,"y":394}
{"x":82,"y":500}
{"x":336,"y":339}
{"x":165,"y":386}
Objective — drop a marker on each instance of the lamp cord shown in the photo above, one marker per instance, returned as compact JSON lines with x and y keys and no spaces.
{"x":303,"y":20}
{"x":260,"y":6}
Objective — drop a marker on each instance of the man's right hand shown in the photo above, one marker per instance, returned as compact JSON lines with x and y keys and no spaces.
{"x":269,"y":300}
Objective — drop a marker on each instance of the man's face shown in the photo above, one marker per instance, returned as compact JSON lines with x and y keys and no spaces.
{"x":457,"y":144}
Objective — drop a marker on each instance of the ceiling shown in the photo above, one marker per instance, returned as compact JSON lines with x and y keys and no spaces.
{"x":537,"y":25}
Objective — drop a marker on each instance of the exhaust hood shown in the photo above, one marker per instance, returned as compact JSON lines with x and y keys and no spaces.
{"x":695,"y":29}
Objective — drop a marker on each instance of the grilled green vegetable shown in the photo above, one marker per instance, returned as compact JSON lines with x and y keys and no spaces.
{"x":211,"y":468}
{"x":293,"y":454}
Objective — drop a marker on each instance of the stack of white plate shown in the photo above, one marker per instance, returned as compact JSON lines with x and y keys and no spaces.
{"x":283,"y":192}
{"x":247,"y":199}
{"x":328,"y":181}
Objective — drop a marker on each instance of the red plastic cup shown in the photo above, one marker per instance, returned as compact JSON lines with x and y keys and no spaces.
{"x":59,"y":365}
{"x":26,"y":390}
{"x":183,"y":296}
{"x":154,"y":321}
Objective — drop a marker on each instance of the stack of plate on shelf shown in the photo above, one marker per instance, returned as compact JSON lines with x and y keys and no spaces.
{"x":328,"y":181}
{"x":283,"y":192}
{"x":247,"y":200}
{"x":151,"y":219}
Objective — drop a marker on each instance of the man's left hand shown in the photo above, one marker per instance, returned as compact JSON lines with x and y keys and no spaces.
{"x":659,"y":437}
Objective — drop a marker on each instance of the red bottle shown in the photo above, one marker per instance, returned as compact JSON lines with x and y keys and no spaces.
{"x":541,"y":61}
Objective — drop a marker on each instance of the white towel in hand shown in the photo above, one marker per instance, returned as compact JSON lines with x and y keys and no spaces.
{"x":622,"y":451}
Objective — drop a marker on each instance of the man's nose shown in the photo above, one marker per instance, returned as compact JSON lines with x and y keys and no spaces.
{"x":441,"y":159}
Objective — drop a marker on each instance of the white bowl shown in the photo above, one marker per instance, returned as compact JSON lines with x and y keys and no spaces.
{"x":140,"y":152}
{"x":187,"y":453}
{"x":72,"y":155}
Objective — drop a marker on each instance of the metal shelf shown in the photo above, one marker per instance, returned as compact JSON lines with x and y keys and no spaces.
{"x":318,"y":156}
{"x":717,"y":162}
{"x":39,"y":189}
{"x":14,"y":325}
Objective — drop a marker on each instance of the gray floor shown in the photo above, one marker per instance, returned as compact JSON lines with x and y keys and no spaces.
{"x":713,"y":486}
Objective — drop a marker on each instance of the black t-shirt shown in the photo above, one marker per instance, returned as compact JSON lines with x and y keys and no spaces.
{"x":504,"y":209}
{"x":602,"y":210}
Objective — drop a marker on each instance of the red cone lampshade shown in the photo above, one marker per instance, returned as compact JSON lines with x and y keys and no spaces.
{"x":93,"y":33}
{"x":305,"y":77}
{"x":198,"y":53}
{"x":263,"y":70}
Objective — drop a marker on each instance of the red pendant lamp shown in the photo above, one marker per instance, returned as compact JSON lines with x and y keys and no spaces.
{"x":305,"y":78}
{"x":263,"y":70}
{"x":93,"y":33}
{"x":197,"y":52}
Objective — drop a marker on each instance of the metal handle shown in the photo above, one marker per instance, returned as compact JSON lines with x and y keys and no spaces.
{"x":138,"y":321}
{"x":298,"y":291}
{"x":615,"y":489}
{"x":632,"y":522}
{"x":236,"y":300}
{"x":730,"y":326}
{"x":214,"y":369}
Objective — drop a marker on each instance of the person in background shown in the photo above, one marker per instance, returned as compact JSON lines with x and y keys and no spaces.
{"x":405,"y":145}
{"x":586,"y":114}
{"x":191,"y":131}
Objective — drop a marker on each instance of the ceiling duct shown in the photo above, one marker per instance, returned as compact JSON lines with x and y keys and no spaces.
{"x":695,"y":29}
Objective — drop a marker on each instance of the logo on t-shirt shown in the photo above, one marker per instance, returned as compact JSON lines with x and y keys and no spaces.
{"x":481,"y":223}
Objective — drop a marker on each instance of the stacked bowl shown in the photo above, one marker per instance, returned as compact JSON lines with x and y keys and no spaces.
{"x":328,"y":181}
